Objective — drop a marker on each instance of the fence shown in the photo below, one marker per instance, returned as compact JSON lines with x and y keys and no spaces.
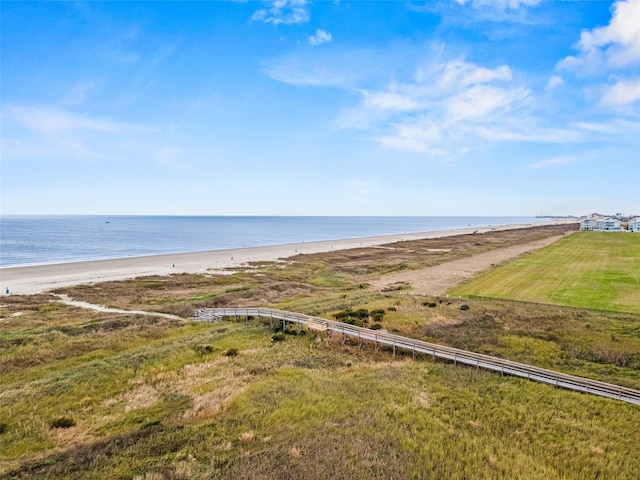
{"x":396,"y":342}
{"x":566,"y":307}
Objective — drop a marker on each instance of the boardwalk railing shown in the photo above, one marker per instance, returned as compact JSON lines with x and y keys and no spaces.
{"x":478,"y":360}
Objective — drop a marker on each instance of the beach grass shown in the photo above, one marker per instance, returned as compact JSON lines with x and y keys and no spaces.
{"x":588,"y":269}
{"x":304,"y":407}
{"x":86,"y":394}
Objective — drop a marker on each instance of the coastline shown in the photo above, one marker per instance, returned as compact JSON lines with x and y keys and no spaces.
{"x":27,"y":280}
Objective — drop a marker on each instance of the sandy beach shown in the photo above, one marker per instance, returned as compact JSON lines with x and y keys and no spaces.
{"x":42,"y":278}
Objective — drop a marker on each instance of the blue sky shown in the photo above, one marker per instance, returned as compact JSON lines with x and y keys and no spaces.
{"x":293,"y":107}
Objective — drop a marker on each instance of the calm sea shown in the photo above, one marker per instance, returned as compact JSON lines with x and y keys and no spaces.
{"x":32,"y":240}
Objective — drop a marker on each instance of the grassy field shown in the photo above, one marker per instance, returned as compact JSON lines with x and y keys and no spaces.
{"x":587,"y":269}
{"x":103,"y":395}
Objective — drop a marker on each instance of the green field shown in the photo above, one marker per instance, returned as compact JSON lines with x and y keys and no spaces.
{"x":587,"y":269}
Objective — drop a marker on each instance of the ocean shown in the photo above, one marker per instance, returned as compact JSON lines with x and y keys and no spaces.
{"x":35,"y":240}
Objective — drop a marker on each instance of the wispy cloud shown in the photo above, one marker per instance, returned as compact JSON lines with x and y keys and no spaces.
{"x":552,"y":162}
{"x":465,"y":12}
{"x":347,"y":69}
{"x":287,"y":12}
{"x":500,"y":4}
{"x":56,"y":121}
{"x":47,"y":132}
{"x":320,"y":37}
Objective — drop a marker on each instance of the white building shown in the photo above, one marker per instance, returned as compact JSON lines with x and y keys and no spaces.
{"x":589,"y":224}
{"x":608,"y":225}
{"x":634,"y":225}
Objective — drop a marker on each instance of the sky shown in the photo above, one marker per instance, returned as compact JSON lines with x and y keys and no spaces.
{"x":298,"y":107}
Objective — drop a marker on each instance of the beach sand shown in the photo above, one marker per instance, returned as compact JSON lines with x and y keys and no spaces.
{"x":42,"y":278}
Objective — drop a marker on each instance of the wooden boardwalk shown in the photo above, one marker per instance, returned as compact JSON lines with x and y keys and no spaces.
{"x":396,"y":342}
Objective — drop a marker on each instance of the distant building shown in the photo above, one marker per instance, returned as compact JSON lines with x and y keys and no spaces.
{"x":608,"y":225}
{"x":589,"y":224}
{"x":634,"y":225}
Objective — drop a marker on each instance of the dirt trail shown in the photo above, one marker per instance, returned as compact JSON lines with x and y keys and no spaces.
{"x":437,"y":280}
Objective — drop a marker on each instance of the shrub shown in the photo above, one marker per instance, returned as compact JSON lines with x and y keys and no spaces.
{"x":294,"y":330}
{"x":63,"y":422}
{"x":432,"y":305}
{"x":232,"y":352}
{"x":464,"y":307}
{"x":376,"y":326}
{"x":343,"y":314}
{"x":278,"y":337}
{"x":392,"y":309}
{"x":361,"y":314}
{"x":357,"y":317}
{"x":203,"y":349}
{"x":3,"y":427}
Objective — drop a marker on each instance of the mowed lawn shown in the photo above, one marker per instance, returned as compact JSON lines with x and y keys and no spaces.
{"x":587,"y":269}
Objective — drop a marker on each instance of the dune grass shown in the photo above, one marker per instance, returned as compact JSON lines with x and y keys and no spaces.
{"x":587,"y":269}
{"x":302,"y":408}
{"x":103,"y":395}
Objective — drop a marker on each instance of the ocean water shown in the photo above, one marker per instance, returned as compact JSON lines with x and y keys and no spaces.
{"x":34,"y":240}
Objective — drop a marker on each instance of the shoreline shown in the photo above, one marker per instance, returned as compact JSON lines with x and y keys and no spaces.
{"x":35,"y":279}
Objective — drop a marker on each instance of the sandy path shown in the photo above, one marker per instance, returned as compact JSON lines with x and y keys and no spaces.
{"x":437,"y":280}
{"x":101,"y":308}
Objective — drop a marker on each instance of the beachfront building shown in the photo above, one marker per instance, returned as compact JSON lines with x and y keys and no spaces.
{"x":608,"y":225}
{"x":589,"y":224}
{"x":634,"y":225}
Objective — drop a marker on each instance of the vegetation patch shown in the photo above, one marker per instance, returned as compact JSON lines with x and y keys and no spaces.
{"x":63,"y":422}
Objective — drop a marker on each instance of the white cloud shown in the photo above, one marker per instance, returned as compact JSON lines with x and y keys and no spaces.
{"x":622,"y":93}
{"x":439,"y":112}
{"x":616,"y":45}
{"x":554,"y":82}
{"x":611,"y":50}
{"x":620,"y":39}
{"x":320,"y":37}
{"x":287,"y":12}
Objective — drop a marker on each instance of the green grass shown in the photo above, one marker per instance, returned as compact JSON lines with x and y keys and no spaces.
{"x":586,"y":269}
